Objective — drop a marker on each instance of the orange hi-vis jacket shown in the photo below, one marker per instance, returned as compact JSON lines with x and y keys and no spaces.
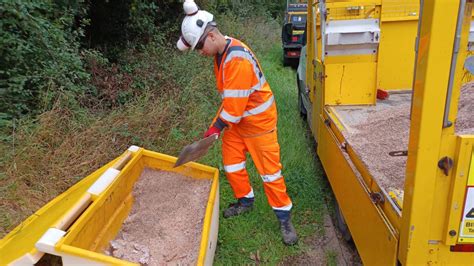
{"x":247,"y":100}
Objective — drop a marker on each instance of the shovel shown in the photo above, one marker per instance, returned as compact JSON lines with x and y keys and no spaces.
{"x":195,"y":150}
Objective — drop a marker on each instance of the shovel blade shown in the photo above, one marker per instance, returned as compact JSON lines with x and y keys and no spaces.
{"x":195,"y":150}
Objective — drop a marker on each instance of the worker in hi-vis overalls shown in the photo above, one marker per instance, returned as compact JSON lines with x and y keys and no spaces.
{"x":248,"y":114}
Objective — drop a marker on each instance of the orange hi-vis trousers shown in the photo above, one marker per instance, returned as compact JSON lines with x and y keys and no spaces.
{"x":265,"y":152}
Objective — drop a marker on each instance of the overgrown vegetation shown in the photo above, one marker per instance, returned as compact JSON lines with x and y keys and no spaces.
{"x":72,"y":98}
{"x":40,"y":56}
{"x":46,"y":47}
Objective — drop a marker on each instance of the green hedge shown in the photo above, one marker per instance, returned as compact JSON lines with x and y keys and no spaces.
{"x":40,"y":56}
{"x":70,"y":52}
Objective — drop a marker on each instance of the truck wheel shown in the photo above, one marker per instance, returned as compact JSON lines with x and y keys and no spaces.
{"x":295,"y":63}
{"x":286,"y":61}
{"x":303,"y":112}
{"x":301,"y":108}
{"x":341,"y":224}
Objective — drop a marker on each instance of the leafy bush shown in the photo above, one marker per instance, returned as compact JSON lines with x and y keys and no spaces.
{"x":246,"y":8}
{"x":40,"y":59}
{"x":154,"y":20}
{"x":121,"y":24}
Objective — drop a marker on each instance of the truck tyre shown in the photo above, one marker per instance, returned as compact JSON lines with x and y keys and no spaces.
{"x":295,"y":63}
{"x":301,"y":108}
{"x":341,"y":225}
{"x":286,"y":61}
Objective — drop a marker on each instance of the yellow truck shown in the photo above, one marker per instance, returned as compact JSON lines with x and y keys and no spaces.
{"x":401,"y":168}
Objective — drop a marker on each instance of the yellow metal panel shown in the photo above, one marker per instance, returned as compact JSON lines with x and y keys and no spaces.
{"x":425,"y":130}
{"x":458,"y":187}
{"x":375,"y":239}
{"x":450,"y":141}
{"x":350,"y":83}
{"x":426,"y":186}
{"x":399,"y":10}
{"x":341,"y":59}
{"x":442,"y":184}
{"x":470,"y":180}
{"x":444,"y":256}
{"x":396,"y":55}
{"x":355,"y":9}
{"x":392,"y":214}
{"x":448,"y":148}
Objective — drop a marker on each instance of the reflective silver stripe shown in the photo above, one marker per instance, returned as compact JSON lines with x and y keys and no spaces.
{"x":240,"y":93}
{"x":234,"y":167}
{"x":271,"y":178}
{"x":238,"y":53}
{"x":230,"y":118}
{"x":259,"y":109}
{"x":237,"y":93}
{"x":255,"y":111}
{"x":247,"y":55}
{"x":284,"y":208}
{"x":250,"y":195}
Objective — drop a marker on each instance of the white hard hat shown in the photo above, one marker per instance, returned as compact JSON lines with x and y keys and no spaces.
{"x":193,"y":25}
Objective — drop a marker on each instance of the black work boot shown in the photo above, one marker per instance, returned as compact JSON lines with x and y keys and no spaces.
{"x":288,"y":231}
{"x":243,"y":205}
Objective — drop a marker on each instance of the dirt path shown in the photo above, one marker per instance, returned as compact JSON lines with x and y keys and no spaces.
{"x":330,"y":249}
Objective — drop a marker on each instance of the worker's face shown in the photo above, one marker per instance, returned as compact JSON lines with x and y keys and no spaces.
{"x":209,"y":45}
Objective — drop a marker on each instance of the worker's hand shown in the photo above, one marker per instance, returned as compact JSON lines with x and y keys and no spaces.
{"x":212,"y":130}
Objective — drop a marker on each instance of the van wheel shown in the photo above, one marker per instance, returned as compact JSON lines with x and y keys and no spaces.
{"x":301,"y":108}
{"x":341,"y":224}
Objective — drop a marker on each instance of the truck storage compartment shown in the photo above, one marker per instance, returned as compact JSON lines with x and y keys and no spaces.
{"x":379,"y":134}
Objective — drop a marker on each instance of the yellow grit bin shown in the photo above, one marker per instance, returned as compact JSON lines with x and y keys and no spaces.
{"x":78,"y":224}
